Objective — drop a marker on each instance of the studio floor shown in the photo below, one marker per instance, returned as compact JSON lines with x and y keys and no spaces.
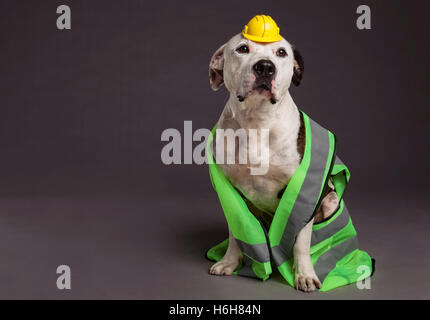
{"x":129,"y":247}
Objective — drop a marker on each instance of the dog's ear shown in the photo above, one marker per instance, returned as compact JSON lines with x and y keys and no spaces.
{"x":216,"y":66}
{"x":299,"y":67}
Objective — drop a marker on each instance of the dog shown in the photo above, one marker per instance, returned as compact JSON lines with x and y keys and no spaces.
{"x":258,"y":77}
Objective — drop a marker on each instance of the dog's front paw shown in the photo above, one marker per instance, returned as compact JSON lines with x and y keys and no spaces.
{"x":305,"y":278}
{"x":224,"y":267}
{"x":307,"y":283}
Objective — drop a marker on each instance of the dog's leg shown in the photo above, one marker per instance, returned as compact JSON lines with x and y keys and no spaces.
{"x":305,"y":277}
{"x":328,"y":206}
{"x":230,"y":261}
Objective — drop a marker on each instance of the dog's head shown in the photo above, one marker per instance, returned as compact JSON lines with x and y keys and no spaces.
{"x":249,"y":68}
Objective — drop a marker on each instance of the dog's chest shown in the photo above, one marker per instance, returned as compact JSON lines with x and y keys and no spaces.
{"x":261,"y":182}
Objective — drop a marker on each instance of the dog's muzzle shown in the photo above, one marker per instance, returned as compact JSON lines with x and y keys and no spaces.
{"x":264,"y":71}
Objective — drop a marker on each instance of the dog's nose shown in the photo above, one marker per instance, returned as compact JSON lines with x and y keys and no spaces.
{"x":264,"y":68}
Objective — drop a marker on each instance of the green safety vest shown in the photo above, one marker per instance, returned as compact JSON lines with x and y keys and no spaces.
{"x":334,"y":248}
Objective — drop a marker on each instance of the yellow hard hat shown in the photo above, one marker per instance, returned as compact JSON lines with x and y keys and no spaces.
{"x":262,"y":29}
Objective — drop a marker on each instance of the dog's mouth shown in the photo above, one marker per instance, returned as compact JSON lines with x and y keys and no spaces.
{"x":263,"y":89}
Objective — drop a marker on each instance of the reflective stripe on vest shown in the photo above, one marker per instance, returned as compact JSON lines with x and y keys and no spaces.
{"x":334,"y":247}
{"x":321,"y":155}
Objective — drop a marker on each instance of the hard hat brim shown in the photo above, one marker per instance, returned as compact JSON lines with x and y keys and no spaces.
{"x":262,"y":39}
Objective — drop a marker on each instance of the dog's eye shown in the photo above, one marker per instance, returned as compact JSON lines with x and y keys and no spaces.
{"x":243,"y":49}
{"x":281,"y":52}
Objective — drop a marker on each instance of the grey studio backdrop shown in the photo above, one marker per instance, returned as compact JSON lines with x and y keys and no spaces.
{"x":82,"y":112}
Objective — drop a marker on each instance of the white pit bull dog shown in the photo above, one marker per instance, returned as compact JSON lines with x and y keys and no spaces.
{"x":258,"y":76}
